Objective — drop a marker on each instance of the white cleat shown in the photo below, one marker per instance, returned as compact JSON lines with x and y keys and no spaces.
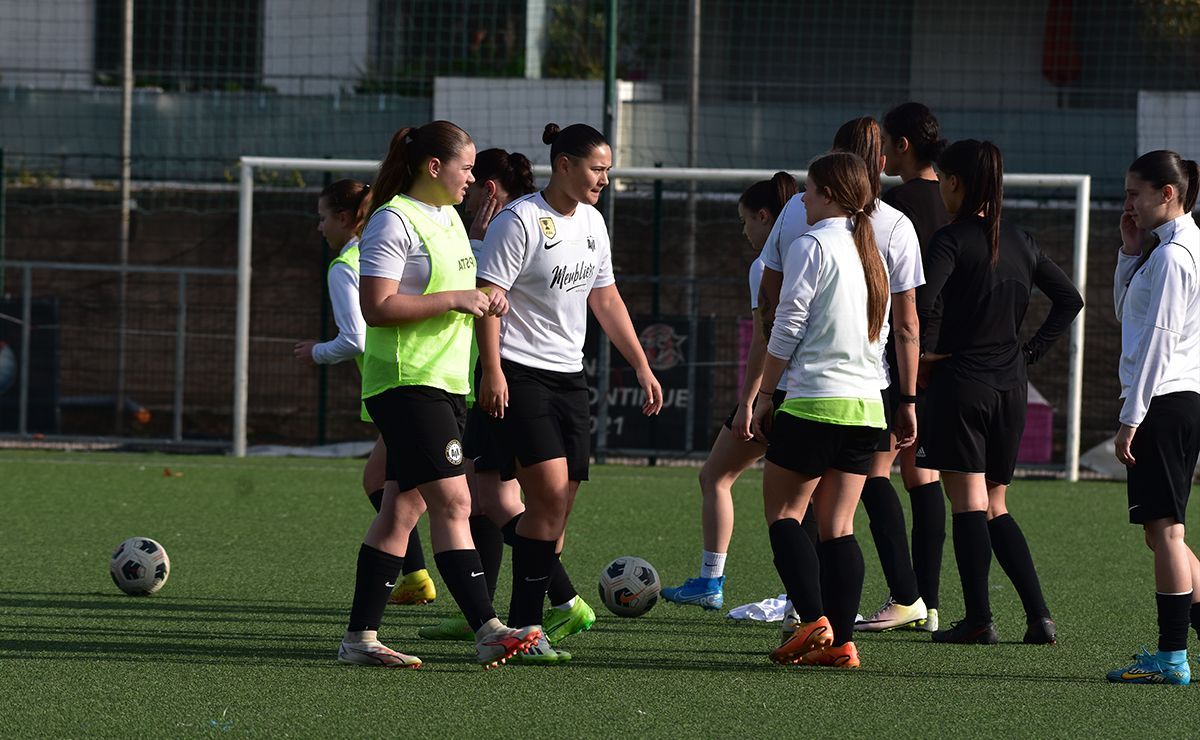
{"x":375,"y":653}
{"x":893,"y":615}
{"x":495,"y":648}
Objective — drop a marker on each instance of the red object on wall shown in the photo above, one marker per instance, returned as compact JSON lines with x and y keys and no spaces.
{"x":1061,"y":62}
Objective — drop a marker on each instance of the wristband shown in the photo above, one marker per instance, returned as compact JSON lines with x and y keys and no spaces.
{"x":907,"y":399}
{"x":761,"y":392}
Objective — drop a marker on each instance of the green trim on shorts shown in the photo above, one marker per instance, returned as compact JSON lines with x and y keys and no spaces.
{"x":853,"y":412}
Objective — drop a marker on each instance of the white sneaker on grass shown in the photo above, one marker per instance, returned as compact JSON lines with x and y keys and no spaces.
{"x":893,"y":615}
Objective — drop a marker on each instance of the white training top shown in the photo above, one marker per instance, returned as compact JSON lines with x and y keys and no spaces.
{"x":1159,"y":308}
{"x":895,"y":238}
{"x":756,"y":271}
{"x":391,"y":247}
{"x":821,"y":323}
{"x":549,"y":263}
{"x":352,"y":329}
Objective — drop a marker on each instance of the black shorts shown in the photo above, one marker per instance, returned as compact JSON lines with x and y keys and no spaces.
{"x":422,"y":428}
{"x":776,"y":399}
{"x":891,"y":400}
{"x":812,"y":447}
{"x":1166,"y":447}
{"x":479,"y":442}
{"x":970,"y":427}
{"x":548,"y":417}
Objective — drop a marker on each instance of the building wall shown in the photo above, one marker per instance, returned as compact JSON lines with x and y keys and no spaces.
{"x":47,"y":44}
{"x":313,"y":47}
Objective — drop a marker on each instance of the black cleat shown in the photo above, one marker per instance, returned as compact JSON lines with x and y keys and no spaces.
{"x":964,"y":633}
{"x":1042,"y":632}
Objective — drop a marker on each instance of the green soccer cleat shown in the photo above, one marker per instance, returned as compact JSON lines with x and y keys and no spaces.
{"x":561,"y":624}
{"x":451,"y":628}
{"x":542,"y":654}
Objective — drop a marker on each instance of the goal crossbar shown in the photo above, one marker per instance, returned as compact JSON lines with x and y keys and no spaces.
{"x":1081,"y":184}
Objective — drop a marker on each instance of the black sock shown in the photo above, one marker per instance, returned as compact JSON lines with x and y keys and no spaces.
{"x":560,"y":590}
{"x":463,"y":574}
{"x":842,"y":572}
{"x":928,"y":539}
{"x":373,"y":581}
{"x":799,"y":569}
{"x":1173,"y":612}
{"x":1012,"y":552}
{"x":809,"y":525}
{"x":414,"y":556}
{"x":1196,"y":617}
{"x":532,"y":563}
{"x":509,"y":530}
{"x":376,"y":499}
{"x":973,"y":551}
{"x":891,"y":538}
{"x":489,"y":543}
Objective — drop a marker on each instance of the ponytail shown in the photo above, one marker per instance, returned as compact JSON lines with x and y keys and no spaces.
{"x":348,"y":196}
{"x":980,"y":168}
{"x":846,"y":179}
{"x":771,"y":195}
{"x":916,"y":123}
{"x":578,"y":140}
{"x":862,"y":136}
{"x":513,"y":171}
{"x":408,"y":152}
{"x":1193,"y":185}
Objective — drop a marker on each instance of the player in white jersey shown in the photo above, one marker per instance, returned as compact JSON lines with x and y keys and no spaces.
{"x":549,"y":254}
{"x":1157,"y":294}
{"x":735,"y":448}
{"x":342,"y":209}
{"x":826,"y":349}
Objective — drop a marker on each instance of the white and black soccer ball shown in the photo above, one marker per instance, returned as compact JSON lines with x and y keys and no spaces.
{"x":139,"y":566}
{"x":629,"y":586}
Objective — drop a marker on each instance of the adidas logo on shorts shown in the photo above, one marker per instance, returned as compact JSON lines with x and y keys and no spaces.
{"x":920,"y":452}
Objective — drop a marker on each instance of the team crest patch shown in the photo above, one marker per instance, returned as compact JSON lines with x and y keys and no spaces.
{"x":592,"y":243}
{"x":547,"y":225}
{"x":454,"y":452}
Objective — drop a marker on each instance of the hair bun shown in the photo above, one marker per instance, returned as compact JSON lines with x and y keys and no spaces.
{"x":550,"y":133}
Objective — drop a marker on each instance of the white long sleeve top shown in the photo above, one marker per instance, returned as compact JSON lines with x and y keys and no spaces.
{"x":352,"y":328}
{"x":1159,"y":308}
{"x":821,"y":323}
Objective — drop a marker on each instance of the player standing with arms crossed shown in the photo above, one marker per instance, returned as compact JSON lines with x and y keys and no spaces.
{"x":418,"y":298}
{"x":735,"y":448}
{"x":984,"y":270}
{"x":911,"y":143}
{"x":341,"y":211}
{"x":1157,"y":295}
{"x":549,"y":254}
{"x":826,"y":347}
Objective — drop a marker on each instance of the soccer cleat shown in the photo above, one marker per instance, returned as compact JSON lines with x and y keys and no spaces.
{"x":928,"y":624}
{"x":892,"y":615}
{"x":962,"y":633}
{"x":560,"y":624}
{"x":1148,"y":667}
{"x":1041,"y":632}
{"x":451,"y":628}
{"x":414,"y":588}
{"x":791,"y":621}
{"x":841,"y":656}
{"x":497,"y":647}
{"x":706,"y":593}
{"x":375,"y":653}
{"x":542,"y":654}
{"x":805,"y":639}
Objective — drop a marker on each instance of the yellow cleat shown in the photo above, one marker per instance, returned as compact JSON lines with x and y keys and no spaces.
{"x":414,"y":588}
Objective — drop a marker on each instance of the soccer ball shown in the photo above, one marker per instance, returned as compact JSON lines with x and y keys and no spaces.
{"x":139,"y":566}
{"x":629,"y":586}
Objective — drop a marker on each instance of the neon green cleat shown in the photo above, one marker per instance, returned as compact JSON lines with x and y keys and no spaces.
{"x":414,"y":588}
{"x":451,"y":628}
{"x":542,"y":654}
{"x":561,"y":624}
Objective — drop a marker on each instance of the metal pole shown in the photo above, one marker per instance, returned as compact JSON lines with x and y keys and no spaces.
{"x":1083,"y":200}
{"x":241,"y":351}
{"x":604,"y":348}
{"x":656,"y":256}
{"x":323,"y":370}
{"x":690,"y":259}
{"x":123,"y":256}
{"x":26,"y":344}
{"x":3,"y":208}
{"x":180,"y":356}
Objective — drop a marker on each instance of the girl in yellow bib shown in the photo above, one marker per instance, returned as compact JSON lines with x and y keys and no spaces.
{"x":419,"y":300}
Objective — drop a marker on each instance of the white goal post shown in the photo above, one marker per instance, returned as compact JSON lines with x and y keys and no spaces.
{"x":1081,"y":184}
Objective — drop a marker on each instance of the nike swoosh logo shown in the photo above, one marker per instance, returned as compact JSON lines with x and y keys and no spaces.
{"x":1131,"y":675}
{"x":390,"y":585}
{"x":476,"y":575}
{"x":535,"y":580}
{"x":552,"y":246}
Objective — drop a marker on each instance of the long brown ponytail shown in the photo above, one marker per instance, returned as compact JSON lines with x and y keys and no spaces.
{"x":846,"y":179}
{"x":980,"y":168}
{"x":409,"y":150}
{"x":862,"y":136}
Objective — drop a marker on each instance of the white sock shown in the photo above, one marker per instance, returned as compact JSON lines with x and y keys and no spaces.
{"x":566,"y":606}
{"x":712,"y":565}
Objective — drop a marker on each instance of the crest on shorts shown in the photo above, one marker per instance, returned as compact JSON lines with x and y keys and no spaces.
{"x":454,"y":452}
{"x":547,"y":225}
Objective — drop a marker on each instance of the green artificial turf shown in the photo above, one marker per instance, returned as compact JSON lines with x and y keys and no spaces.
{"x":242,"y":639}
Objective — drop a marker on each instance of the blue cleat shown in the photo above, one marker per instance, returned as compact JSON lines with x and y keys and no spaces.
{"x":703,"y":592}
{"x":1150,"y":667}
